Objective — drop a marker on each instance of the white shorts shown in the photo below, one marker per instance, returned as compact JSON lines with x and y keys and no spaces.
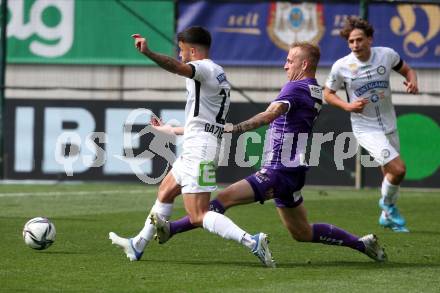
{"x":195,"y":169}
{"x":382,"y":147}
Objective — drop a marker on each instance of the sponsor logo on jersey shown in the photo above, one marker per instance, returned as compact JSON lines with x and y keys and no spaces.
{"x":371,"y":85}
{"x":290,"y":22}
{"x":207,"y":176}
{"x":315,"y":91}
{"x":221,"y":78}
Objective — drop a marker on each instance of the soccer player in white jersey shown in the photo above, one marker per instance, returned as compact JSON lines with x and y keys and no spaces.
{"x":365,"y":73}
{"x":193,"y":173}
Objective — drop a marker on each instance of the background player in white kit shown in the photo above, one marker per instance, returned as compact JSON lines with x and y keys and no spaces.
{"x":365,"y":73}
{"x":193,"y":173}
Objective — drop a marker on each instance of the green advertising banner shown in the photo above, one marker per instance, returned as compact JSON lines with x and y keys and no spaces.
{"x":87,"y":31}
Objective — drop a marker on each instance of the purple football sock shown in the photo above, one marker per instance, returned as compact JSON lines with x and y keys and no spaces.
{"x":332,"y":235}
{"x":181,"y":225}
{"x":184,"y":224}
{"x":216,"y":206}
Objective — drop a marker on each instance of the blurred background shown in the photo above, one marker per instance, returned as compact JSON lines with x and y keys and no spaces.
{"x":69,"y":66}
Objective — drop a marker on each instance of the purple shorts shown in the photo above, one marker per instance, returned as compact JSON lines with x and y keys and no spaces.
{"x":282,"y":186}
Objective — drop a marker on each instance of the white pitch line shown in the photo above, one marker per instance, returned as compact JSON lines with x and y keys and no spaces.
{"x":55,"y":193}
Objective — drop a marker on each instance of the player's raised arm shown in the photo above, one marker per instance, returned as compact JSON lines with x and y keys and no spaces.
{"x":166,"y":62}
{"x":272,"y":112}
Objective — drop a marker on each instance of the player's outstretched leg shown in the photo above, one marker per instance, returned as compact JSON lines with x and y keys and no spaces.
{"x":134,"y":247}
{"x":166,"y":230}
{"x":223,"y":226}
{"x":127,"y":246}
{"x":332,"y":235}
{"x":373,"y":249}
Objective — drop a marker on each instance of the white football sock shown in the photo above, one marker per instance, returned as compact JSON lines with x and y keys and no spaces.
{"x":247,"y":241}
{"x":141,"y":240}
{"x":223,"y":226}
{"x":389,"y":192}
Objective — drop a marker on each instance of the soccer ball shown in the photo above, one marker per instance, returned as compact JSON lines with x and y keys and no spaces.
{"x":39,"y":233}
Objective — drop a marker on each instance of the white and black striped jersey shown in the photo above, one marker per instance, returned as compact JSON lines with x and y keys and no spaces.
{"x":207,"y":104}
{"x":370,"y":80}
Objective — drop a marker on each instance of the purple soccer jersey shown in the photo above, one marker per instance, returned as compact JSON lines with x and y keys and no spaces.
{"x":283,"y":172}
{"x":287,"y":135}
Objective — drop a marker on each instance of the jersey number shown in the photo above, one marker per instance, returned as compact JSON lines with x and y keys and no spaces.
{"x":219,"y":118}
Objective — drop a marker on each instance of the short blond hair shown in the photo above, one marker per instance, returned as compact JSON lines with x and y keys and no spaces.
{"x":311,"y":52}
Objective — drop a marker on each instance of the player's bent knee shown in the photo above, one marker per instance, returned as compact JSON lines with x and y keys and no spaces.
{"x":401,"y":171}
{"x":300,"y":235}
{"x":196,"y":219}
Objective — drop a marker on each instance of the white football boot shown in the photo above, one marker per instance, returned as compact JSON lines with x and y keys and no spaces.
{"x":127,"y":245}
{"x":162,"y":228}
{"x":261,"y":250}
{"x":373,"y":249}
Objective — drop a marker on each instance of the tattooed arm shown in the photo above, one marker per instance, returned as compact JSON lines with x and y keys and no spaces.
{"x":272,"y":112}
{"x":166,"y":62}
{"x":170,"y":64}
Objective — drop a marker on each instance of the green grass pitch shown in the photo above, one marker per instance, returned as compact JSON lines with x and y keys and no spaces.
{"x":83,"y":260}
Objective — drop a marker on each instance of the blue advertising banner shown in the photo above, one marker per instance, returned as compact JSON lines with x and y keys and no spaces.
{"x":260,"y":33}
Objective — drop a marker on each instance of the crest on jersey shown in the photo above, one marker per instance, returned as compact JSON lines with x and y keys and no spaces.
{"x":381,"y":70}
{"x":290,"y":23}
{"x":374,"y":98}
{"x":353,"y":68}
{"x":385,"y":153}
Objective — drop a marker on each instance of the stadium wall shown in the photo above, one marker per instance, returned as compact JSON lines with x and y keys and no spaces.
{"x":63,"y":69}
{"x":50,"y":139}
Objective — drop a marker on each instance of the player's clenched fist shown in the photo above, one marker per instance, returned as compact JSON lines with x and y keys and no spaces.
{"x":229,"y":128}
{"x":140,"y":43}
{"x":357,"y":106}
{"x":411,"y":87}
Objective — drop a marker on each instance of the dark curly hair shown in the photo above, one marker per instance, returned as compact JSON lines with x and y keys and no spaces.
{"x":196,"y":35}
{"x":352,"y":23}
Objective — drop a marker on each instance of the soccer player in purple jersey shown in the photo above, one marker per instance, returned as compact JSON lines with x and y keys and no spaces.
{"x":282,"y":175}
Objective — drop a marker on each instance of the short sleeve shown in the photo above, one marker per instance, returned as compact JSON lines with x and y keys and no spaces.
{"x":287,"y":102}
{"x":394,"y":57}
{"x":287,"y":95}
{"x":334,"y":80}
{"x":200,"y":70}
